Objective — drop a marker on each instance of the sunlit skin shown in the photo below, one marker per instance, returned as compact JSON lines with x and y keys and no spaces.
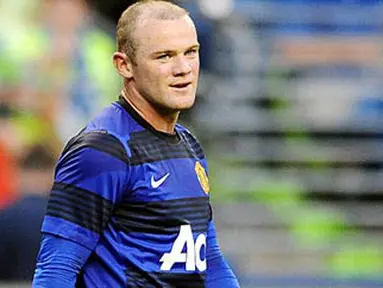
{"x":163,"y":80}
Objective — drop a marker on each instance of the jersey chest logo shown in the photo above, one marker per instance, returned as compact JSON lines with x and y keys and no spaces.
{"x":157,"y":183}
{"x":202,"y":177}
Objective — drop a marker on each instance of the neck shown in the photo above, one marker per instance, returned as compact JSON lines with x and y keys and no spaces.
{"x":160,"y":119}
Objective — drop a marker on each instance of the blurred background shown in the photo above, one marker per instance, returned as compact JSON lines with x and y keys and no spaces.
{"x":289,"y":111}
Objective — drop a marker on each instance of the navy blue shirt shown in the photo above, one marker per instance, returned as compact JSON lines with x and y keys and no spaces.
{"x":138,"y":199}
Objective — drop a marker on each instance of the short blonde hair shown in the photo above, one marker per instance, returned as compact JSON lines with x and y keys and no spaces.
{"x":127,"y":24}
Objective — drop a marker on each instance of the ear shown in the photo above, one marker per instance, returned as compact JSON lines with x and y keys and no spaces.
{"x":123,"y":64}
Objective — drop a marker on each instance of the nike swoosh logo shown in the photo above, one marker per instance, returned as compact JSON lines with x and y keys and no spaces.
{"x":158,"y":183}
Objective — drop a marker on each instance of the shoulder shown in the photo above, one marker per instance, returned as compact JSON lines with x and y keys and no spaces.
{"x":91,"y":142}
{"x":114,"y":119}
{"x":93,"y":160}
{"x":185,"y":132}
{"x":191,"y":140}
{"x":107,"y":134}
{"x":113,"y":122}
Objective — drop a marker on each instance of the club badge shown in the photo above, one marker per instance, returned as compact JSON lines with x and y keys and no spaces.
{"x":202,"y":177}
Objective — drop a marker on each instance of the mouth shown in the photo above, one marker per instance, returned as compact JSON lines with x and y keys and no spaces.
{"x":181,"y":86}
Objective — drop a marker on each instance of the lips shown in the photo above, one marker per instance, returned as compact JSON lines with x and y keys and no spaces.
{"x":180,"y":85}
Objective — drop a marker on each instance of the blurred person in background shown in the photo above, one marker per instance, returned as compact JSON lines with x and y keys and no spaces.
{"x":20,"y":222}
{"x":15,"y":25}
{"x":130,"y":202}
{"x":8,"y":172}
{"x":54,"y":75}
{"x":8,"y":169}
{"x":73,"y":77}
{"x":54,"y":67}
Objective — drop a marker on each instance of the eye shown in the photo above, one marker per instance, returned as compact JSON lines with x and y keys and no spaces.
{"x":164,"y":57}
{"x":191,"y":52}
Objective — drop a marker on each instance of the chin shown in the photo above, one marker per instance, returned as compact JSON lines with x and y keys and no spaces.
{"x":185,"y":104}
{"x":183,"y":108}
{"x":175,"y":107}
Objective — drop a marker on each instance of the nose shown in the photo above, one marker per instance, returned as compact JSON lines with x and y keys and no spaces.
{"x":182,"y":66}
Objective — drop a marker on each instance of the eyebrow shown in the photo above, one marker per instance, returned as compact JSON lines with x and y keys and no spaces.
{"x":172,"y":52}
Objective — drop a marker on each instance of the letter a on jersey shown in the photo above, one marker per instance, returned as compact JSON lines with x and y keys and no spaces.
{"x":191,"y":257}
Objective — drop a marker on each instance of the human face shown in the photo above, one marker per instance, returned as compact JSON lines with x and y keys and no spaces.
{"x":167,"y":63}
{"x":64,"y":16}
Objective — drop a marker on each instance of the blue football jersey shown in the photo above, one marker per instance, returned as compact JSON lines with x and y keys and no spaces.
{"x":138,"y":198}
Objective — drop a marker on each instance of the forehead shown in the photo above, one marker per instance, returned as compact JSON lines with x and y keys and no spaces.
{"x":159,"y":35}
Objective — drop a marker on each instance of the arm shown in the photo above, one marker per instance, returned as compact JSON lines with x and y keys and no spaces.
{"x":89,"y":179}
{"x":219,"y":274}
{"x":58,"y":263}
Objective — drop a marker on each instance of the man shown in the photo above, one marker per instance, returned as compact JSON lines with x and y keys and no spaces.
{"x":130,"y":202}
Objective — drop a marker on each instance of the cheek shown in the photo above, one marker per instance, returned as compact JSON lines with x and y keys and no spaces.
{"x":195,"y":67}
{"x":163,"y":75}
{"x":150,"y":78}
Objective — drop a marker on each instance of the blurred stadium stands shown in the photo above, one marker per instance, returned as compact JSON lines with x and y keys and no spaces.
{"x":290,"y":113}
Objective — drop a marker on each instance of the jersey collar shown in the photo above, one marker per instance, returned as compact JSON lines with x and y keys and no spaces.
{"x":171,"y":138}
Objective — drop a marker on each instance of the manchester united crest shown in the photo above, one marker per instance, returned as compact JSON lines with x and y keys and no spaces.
{"x":202,"y":177}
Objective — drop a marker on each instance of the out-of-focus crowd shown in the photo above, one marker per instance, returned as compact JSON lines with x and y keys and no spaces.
{"x":56,"y":72}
